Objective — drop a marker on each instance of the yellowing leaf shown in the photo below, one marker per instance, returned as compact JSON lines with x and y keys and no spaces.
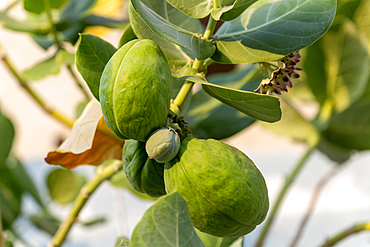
{"x":90,"y":142}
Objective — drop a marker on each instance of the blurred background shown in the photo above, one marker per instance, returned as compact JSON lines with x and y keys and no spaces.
{"x":114,"y":211}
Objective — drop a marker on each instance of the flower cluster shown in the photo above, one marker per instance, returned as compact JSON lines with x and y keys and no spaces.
{"x":281,"y":74}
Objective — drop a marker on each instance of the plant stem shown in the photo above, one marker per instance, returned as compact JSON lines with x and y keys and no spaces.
{"x":354,"y":229}
{"x":9,"y":7}
{"x":51,"y":23}
{"x":56,"y":114}
{"x":81,"y":199}
{"x":320,"y":185}
{"x":289,"y":180}
{"x":78,"y":83}
{"x":197,"y":65}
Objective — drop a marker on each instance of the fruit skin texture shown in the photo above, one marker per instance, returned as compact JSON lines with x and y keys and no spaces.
{"x":145,"y":175}
{"x":163,"y":145}
{"x":135,"y":90}
{"x":226,"y":193}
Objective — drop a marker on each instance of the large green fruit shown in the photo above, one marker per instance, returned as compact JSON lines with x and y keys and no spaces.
{"x":225,"y":191}
{"x":144,"y":174}
{"x":135,"y":90}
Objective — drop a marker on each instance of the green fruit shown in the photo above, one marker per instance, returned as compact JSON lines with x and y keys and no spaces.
{"x":135,"y":90}
{"x":225,"y":191}
{"x":145,"y":175}
{"x":163,"y":145}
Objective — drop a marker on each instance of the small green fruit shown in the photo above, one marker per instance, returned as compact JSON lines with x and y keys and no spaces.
{"x":135,"y":90}
{"x":225,"y":192}
{"x":145,"y":175}
{"x":163,"y":145}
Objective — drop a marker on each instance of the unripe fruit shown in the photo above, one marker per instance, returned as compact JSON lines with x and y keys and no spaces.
{"x":135,"y":90}
{"x":225,"y":192}
{"x":163,"y":145}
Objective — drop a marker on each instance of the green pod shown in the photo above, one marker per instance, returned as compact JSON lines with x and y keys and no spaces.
{"x":144,"y":174}
{"x":226,"y":193}
{"x":135,"y":90}
{"x":163,"y":145}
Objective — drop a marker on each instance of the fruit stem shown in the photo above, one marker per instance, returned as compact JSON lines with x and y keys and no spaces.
{"x":86,"y":191}
{"x":185,"y":90}
{"x":353,"y":229}
{"x":289,"y":180}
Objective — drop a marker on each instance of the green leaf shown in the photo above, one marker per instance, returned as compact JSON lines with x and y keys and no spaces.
{"x":351,"y":128}
{"x":7,"y":135}
{"x":292,"y":124}
{"x":176,"y":57}
{"x":209,"y":118}
{"x":362,"y":20}
{"x":213,"y":241}
{"x":95,"y":20}
{"x":333,"y":151}
{"x":91,"y":56}
{"x":64,"y":185}
{"x":314,"y":67}
{"x":259,"y":106}
{"x":347,"y":65}
{"x":194,"y":8}
{"x":200,"y":48}
{"x":127,"y":35}
{"x":21,"y":179}
{"x":10,"y":203}
{"x":50,"y":66}
{"x":167,"y":224}
{"x":239,"y":7}
{"x":38,"y":6}
{"x":46,"y":223}
{"x":10,"y":23}
{"x":76,"y":10}
{"x":270,"y":28}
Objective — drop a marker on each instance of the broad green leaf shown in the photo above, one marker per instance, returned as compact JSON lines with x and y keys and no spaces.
{"x":259,"y":106}
{"x":7,"y":135}
{"x":348,"y":8}
{"x":50,"y":66}
{"x":239,"y":7}
{"x":38,"y":6}
{"x":292,"y":124}
{"x":347,"y":65}
{"x":176,"y":57}
{"x":333,"y":151}
{"x":95,"y":20}
{"x":64,"y":185}
{"x":91,"y":56}
{"x":270,"y":28}
{"x":127,"y":35}
{"x":351,"y":128}
{"x":10,"y":203}
{"x":35,"y":28}
{"x":194,"y":8}
{"x":21,"y":179}
{"x":210,"y":118}
{"x":45,"y":222}
{"x":200,"y":48}
{"x":76,"y":10}
{"x":314,"y":67}
{"x":361,"y":18}
{"x":213,"y":241}
{"x":167,"y":224}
